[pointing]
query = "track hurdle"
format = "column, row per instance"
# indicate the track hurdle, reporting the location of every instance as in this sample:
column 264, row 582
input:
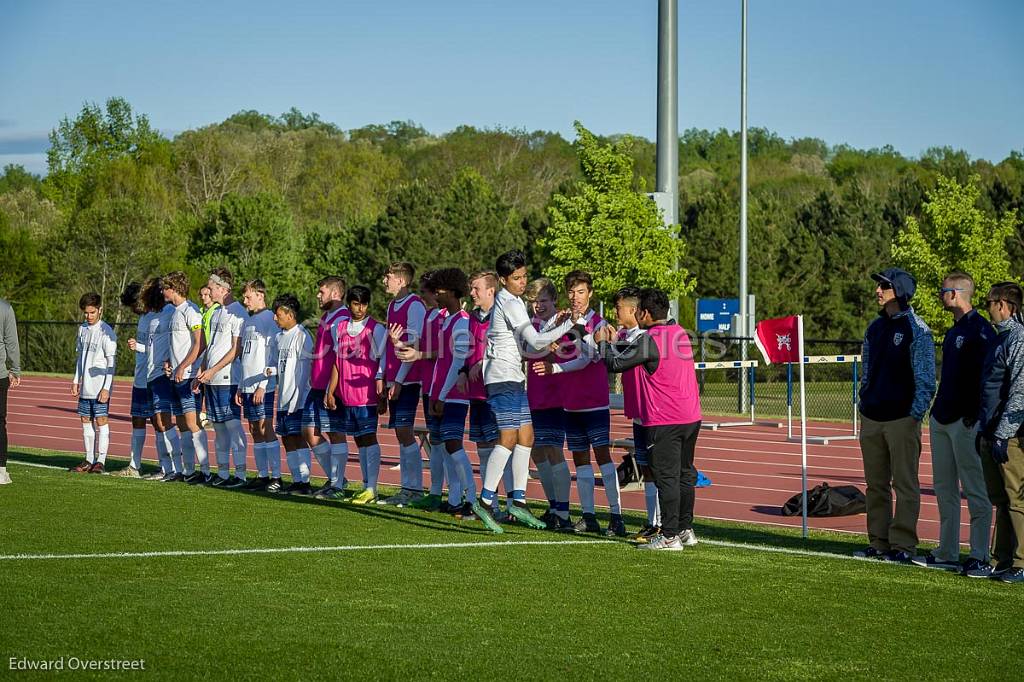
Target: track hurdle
column 854, row 361
column 749, row 366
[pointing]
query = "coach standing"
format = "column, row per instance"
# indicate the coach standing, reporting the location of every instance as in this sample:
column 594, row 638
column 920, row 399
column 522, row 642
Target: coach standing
column 9, row 352
column 1000, row 427
column 897, row 385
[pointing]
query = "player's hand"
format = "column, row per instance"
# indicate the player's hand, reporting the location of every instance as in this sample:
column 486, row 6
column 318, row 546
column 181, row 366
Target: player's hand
column 437, row 408
column 15, row 381
column 462, row 383
column 195, row 385
column 258, row 395
column 408, row 354
column 330, row 402
column 132, row 343
column 168, row 370
column 179, row 374
column 395, row 391
column 563, row 315
column 396, row 332
column 543, row 368
column 74, row 390
column 475, row 371
column 238, row 398
column 104, row 396
column 999, row 451
column 605, row 333
column 205, row 376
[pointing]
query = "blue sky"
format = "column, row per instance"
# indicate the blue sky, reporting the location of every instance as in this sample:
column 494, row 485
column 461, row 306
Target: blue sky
column 909, row 73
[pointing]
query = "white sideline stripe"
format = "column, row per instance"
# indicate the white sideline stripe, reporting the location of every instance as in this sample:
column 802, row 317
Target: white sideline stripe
column 438, row 545
column 38, row 466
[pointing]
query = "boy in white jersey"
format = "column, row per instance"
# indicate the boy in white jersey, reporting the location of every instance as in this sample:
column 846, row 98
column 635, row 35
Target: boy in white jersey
column 186, row 345
column 96, row 349
column 142, row 397
column 325, row 428
column 157, row 352
column 509, row 333
column 218, row 375
column 402, row 379
column 291, row 356
column 358, row 371
column 256, row 390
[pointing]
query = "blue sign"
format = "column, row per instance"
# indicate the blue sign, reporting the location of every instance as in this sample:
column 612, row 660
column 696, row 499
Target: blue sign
column 715, row 314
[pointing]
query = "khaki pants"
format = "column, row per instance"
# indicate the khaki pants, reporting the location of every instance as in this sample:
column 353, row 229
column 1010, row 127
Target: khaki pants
column 892, row 453
column 1006, row 490
column 955, row 463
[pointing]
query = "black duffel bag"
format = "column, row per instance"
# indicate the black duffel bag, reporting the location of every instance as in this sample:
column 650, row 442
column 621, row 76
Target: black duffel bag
column 824, row 500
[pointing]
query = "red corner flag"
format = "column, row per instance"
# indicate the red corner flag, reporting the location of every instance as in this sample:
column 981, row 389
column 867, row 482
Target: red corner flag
column 778, row 339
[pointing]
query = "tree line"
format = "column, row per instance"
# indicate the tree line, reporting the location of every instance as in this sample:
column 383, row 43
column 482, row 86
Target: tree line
column 291, row 198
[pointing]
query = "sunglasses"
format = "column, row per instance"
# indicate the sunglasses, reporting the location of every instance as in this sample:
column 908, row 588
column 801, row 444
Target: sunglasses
column 945, row 290
column 885, row 286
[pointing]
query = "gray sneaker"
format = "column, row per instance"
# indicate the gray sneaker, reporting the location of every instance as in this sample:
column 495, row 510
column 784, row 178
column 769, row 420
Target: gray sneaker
column 976, row 568
column 127, row 472
column 661, row 542
column 688, row 538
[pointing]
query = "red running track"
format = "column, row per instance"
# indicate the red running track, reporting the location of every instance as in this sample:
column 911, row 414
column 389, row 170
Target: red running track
column 754, row 469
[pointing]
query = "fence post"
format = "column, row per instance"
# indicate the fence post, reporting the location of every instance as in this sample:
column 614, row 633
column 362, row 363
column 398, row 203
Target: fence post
column 855, row 397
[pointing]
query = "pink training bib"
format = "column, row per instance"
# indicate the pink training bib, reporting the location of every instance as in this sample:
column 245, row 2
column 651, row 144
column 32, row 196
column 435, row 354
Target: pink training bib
column 670, row 395
column 357, row 369
column 400, row 315
column 587, row 388
column 323, row 348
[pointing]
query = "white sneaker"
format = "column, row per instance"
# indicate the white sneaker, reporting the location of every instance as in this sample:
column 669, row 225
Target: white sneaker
column 5, row 478
column 661, row 542
column 688, row 538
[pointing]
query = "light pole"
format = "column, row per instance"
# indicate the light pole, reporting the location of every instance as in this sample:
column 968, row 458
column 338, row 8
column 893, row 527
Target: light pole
column 667, row 178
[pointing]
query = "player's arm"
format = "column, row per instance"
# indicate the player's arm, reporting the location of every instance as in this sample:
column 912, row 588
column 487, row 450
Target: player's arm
column 526, row 335
column 414, row 332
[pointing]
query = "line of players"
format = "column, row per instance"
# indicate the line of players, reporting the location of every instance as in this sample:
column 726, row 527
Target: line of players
column 316, row 391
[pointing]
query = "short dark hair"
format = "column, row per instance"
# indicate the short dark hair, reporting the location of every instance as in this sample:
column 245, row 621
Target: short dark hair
column 508, row 263
column 130, row 298
column 450, row 279
column 1009, row 292
column 578, row 277
column 90, row 299
column 629, row 293
column 358, row 294
column 655, row 302
column 153, row 294
column 334, row 282
column 289, row 302
column 427, row 281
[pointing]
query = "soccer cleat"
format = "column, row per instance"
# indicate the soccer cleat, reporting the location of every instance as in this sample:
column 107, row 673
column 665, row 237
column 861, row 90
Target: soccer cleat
column 587, row 524
column 127, row 472
column 522, row 513
column 293, row 488
column 400, row 499
column 82, row 468
column 257, row 484
column 565, row 525
column 447, row 508
column 688, row 538
column 464, row 512
column 550, row 519
column 274, row 485
column 427, row 503
column 96, row 468
column 646, row 532
column 331, row 493
column 976, row 568
column 660, row 542
column 195, row 478
column 1012, row 576
column 616, row 527
column 173, row 478
column 235, row 482
column 897, row 556
column 930, row 561
column 305, row 489
column 365, row 496
column 869, row 552
column 484, row 515
column 5, row 478
column 219, row 481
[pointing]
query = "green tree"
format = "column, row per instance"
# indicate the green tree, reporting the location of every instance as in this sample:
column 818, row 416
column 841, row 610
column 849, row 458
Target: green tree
column 954, row 235
column 25, row 276
column 610, row 228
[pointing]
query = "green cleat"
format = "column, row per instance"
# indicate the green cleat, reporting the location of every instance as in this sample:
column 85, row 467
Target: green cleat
column 484, row 515
column 365, row 496
column 427, row 503
column 523, row 515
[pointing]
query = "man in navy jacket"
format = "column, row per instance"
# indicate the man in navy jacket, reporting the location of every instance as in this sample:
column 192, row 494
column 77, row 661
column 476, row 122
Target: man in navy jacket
column 896, row 388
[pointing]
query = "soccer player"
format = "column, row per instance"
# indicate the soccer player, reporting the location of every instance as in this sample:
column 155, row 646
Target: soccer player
column 402, row 379
column 96, row 349
column 142, row 397
column 544, row 392
column 186, row 346
column 324, row 429
column 291, row 356
column 511, row 331
column 158, row 353
column 219, row 375
column 207, row 306
column 256, row 390
column 359, row 343
column 669, row 408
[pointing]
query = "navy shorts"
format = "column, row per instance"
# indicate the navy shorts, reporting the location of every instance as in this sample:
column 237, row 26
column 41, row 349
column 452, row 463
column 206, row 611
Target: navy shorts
column 453, row 421
column 162, row 392
column 549, row 428
column 584, row 430
column 314, row 414
column 433, row 423
column 183, row 400
column 360, row 421
column 220, row 404
column 640, row 445
column 255, row 412
column 288, row 424
column 90, row 407
column 402, row 412
column 142, row 402
column 510, row 405
column 483, row 428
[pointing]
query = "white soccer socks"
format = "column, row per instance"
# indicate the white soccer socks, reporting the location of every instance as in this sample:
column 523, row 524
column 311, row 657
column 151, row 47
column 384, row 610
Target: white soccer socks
column 89, row 440
column 651, row 502
column 339, row 460
column 562, row 482
column 273, row 452
column 322, row 453
column 259, row 453
column 222, row 446
column 495, row 470
column 610, row 478
column 463, row 471
column 305, row 462
column 372, row 453
column 102, row 443
column 585, row 487
column 520, row 473
column 201, row 449
column 239, row 446
column 138, row 443
column 411, row 467
column 437, row 457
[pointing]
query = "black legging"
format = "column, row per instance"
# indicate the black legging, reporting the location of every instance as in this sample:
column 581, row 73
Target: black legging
column 670, row 450
column 5, row 384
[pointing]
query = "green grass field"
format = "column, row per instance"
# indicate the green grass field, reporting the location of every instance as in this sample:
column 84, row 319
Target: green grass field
column 482, row 606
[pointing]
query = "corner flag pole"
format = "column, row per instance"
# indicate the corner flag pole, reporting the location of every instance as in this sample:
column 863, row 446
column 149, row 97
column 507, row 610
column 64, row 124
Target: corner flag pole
column 803, row 423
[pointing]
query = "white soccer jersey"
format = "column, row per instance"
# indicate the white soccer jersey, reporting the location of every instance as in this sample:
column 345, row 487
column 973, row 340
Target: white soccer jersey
column 291, row 355
column 96, row 350
column 158, row 350
column 142, row 332
column 257, row 334
column 184, row 321
column 511, row 329
column 225, row 326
